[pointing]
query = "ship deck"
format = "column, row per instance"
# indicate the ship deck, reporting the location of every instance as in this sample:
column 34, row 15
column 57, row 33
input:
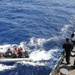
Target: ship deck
column 68, row 67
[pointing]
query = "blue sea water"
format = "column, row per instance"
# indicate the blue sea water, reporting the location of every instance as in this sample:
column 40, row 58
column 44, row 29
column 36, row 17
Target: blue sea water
column 42, row 25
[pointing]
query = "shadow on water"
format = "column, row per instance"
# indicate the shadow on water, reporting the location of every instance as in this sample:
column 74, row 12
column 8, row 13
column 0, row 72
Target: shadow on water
column 49, row 45
column 7, row 63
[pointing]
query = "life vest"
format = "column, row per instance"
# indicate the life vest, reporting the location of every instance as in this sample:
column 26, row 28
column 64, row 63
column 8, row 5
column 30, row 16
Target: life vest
column 15, row 53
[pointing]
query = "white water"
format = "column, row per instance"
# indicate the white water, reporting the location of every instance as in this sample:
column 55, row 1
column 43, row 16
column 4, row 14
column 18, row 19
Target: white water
column 38, row 55
column 5, row 67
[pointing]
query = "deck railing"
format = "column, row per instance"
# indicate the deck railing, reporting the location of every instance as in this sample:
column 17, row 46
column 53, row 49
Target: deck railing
column 56, row 67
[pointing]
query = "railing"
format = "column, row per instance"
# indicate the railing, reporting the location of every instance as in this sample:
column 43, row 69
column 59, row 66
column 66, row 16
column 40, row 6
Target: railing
column 56, row 67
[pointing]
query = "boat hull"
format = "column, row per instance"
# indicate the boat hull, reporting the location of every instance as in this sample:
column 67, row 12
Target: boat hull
column 14, row 59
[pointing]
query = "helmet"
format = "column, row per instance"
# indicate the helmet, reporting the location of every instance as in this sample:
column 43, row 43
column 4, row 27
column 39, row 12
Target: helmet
column 9, row 48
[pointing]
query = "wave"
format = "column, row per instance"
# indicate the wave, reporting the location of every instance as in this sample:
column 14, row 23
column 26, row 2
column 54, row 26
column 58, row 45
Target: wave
column 38, row 26
column 38, row 53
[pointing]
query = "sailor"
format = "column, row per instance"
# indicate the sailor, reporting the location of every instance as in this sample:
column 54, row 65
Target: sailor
column 8, row 53
column 20, row 52
column 73, row 38
column 15, row 53
column 26, row 54
column 2, row 55
column 68, row 47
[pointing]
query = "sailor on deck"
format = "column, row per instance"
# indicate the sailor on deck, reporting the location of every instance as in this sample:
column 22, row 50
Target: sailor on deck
column 68, row 47
column 73, row 38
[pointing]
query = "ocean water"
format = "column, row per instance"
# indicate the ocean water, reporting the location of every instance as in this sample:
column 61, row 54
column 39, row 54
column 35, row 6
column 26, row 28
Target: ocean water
column 40, row 26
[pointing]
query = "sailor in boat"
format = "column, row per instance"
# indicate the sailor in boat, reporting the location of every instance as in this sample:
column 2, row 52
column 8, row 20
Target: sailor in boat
column 8, row 53
column 2, row 55
column 15, row 53
column 26, row 54
column 20, row 52
column 23, row 53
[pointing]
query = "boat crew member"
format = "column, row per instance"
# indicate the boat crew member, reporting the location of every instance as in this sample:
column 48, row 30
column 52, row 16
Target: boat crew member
column 26, row 54
column 68, row 47
column 8, row 53
column 15, row 53
column 20, row 52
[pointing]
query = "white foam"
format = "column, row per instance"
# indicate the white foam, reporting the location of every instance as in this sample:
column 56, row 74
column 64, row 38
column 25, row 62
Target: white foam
column 36, row 41
column 4, row 67
column 3, row 48
column 37, row 55
column 32, row 63
column 41, row 55
column 65, row 28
